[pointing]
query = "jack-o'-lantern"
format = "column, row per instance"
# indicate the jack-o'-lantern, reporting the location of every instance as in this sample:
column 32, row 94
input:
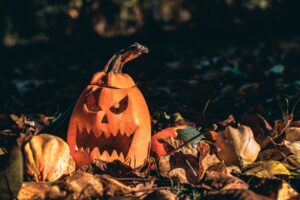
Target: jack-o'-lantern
column 111, row 120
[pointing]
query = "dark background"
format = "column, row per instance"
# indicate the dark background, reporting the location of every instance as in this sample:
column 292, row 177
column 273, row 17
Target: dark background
column 227, row 52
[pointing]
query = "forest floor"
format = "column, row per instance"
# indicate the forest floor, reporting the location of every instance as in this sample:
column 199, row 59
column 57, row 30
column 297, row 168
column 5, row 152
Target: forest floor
column 208, row 83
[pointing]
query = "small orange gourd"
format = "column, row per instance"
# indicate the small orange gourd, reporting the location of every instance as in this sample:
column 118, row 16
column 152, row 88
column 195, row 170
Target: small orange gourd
column 111, row 119
column 156, row 146
column 47, row 158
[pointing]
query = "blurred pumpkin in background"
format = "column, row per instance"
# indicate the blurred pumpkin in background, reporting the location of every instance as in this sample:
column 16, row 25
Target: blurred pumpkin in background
column 111, row 120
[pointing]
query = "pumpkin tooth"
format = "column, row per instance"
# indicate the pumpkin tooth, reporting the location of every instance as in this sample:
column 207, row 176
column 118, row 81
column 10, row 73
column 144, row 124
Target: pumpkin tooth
column 121, row 157
column 76, row 147
column 128, row 134
column 107, row 135
column 81, row 149
column 88, row 129
column 115, row 133
column 88, row 150
column 114, row 155
column 105, row 156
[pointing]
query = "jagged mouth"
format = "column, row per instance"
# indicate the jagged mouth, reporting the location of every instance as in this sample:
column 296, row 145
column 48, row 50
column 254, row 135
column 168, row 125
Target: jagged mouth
column 115, row 146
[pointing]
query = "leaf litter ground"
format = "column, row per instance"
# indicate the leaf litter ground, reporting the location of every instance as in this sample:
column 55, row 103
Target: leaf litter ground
column 205, row 90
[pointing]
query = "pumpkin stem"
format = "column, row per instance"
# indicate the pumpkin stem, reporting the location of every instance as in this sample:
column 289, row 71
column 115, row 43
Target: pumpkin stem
column 118, row 60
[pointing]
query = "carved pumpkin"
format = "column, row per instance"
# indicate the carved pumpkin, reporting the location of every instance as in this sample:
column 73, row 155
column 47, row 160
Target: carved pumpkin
column 110, row 120
column 47, row 158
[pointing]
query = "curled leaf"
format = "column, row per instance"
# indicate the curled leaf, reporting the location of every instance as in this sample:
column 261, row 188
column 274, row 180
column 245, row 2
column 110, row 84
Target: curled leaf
column 294, row 147
column 237, row 146
column 206, row 159
column 292, row 134
column 181, row 164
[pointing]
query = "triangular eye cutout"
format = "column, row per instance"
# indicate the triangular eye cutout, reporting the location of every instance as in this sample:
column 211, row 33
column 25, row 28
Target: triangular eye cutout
column 120, row 107
column 92, row 101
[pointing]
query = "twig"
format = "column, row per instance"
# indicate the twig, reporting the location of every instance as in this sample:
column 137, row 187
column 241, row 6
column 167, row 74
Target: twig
column 189, row 164
column 184, row 144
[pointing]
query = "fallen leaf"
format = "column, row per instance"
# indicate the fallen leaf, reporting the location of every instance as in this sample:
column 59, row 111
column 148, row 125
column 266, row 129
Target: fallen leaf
column 274, row 188
column 188, row 133
column 113, row 187
column 82, row 186
column 281, row 125
column 161, row 195
column 173, row 144
column 292, row 162
column 235, row 194
column 267, row 169
column 294, row 147
column 206, row 158
column 181, row 165
column 40, row 190
column 237, row 146
column 115, row 168
column 277, row 153
column 213, row 180
column 227, row 122
column 260, row 127
column 292, row 134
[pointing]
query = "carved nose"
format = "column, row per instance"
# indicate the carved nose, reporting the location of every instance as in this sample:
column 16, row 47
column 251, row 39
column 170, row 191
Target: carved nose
column 104, row 120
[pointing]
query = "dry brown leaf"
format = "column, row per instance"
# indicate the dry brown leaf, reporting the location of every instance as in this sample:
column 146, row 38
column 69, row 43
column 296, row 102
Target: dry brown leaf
column 181, row 175
column 260, row 127
column 161, row 195
column 227, row 122
column 213, row 180
column 267, row 169
column 115, row 168
column 292, row 162
column 278, row 153
column 141, row 190
column 171, row 144
column 274, row 188
column 113, row 187
column 211, row 135
column 237, row 146
column 292, row 134
column 281, row 125
column 180, row 164
column 40, row 190
column 82, row 186
column 294, row 147
column 236, row 194
column 206, row 158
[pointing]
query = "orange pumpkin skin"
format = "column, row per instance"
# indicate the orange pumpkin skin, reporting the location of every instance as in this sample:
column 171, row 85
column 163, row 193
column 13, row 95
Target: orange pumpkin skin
column 47, row 158
column 110, row 121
